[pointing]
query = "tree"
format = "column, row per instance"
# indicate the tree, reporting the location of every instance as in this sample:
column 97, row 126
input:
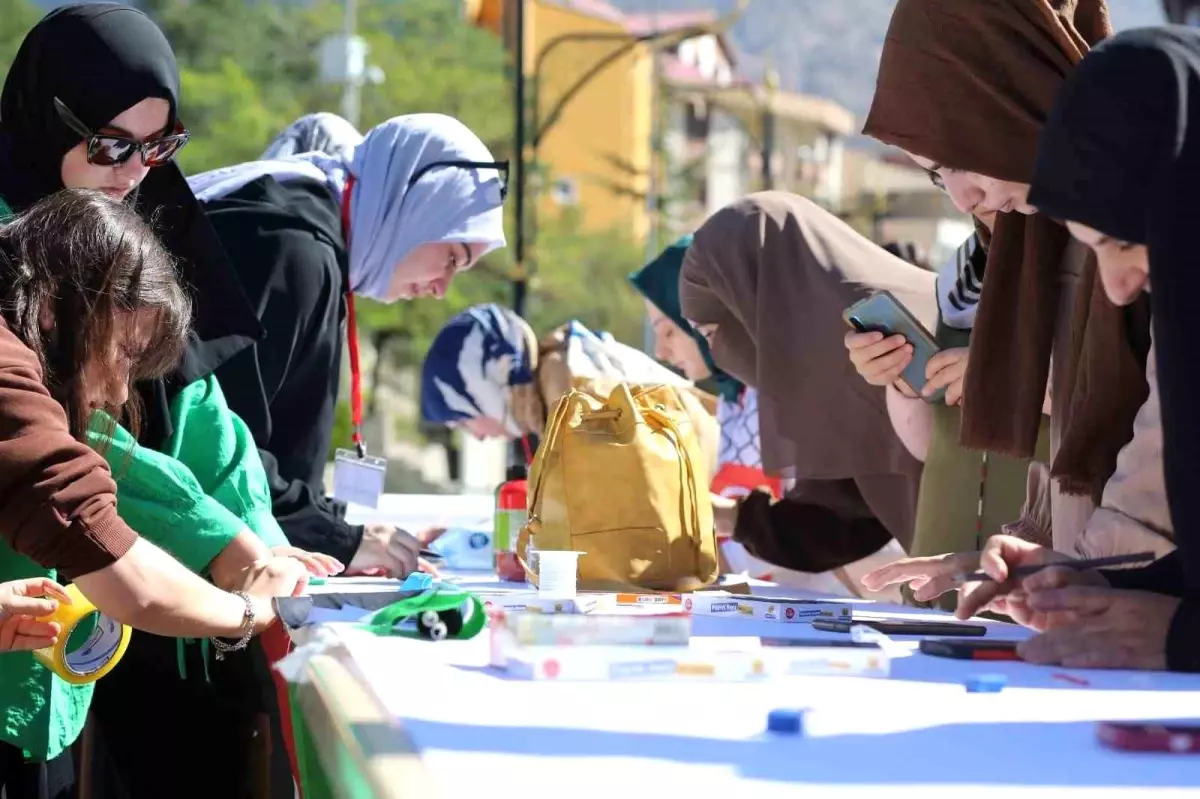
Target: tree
column 584, row 276
column 16, row 18
column 228, row 117
column 433, row 61
column 247, row 71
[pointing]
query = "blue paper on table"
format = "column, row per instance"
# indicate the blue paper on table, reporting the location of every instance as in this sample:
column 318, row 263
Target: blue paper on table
column 465, row 548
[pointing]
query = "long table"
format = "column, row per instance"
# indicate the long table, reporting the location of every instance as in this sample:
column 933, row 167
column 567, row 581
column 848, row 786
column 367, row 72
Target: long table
column 392, row 717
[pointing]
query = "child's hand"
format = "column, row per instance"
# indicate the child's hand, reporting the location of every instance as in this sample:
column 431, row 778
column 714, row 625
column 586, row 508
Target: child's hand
column 22, row 603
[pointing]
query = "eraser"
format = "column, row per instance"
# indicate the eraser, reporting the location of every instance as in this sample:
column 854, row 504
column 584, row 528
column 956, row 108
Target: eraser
column 985, row 683
column 786, row 720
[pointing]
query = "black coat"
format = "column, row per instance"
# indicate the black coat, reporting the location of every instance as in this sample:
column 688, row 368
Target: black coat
column 287, row 248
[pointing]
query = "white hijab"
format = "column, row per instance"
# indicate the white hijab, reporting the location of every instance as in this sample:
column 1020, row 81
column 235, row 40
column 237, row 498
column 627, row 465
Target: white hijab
column 388, row 217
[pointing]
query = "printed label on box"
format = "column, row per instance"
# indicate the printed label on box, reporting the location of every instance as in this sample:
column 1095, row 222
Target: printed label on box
column 619, row 671
column 765, row 608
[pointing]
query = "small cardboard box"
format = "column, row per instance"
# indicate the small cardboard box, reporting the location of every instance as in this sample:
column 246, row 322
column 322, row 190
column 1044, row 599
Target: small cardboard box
column 593, row 629
column 531, row 602
column 671, row 663
column 784, row 609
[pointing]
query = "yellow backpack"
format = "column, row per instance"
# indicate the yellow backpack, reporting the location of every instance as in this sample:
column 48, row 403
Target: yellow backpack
column 622, row 479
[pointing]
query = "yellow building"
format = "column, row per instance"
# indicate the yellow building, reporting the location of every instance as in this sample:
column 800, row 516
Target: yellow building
column 591, row 91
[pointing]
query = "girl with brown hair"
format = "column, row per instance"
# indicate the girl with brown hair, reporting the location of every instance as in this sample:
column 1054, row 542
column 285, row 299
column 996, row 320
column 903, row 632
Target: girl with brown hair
column 90, row 304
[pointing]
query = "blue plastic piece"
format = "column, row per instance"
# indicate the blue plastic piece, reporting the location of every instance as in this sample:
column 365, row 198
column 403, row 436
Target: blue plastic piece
column 985, row 683
column 417, row 581
column 787, row 721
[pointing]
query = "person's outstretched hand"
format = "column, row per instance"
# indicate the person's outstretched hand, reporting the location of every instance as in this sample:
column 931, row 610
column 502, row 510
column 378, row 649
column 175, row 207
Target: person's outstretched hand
column 268, row 579
column 929, row 578
column 318, row 564
column 22, row 603
column 1001, row 594
column 387, row 550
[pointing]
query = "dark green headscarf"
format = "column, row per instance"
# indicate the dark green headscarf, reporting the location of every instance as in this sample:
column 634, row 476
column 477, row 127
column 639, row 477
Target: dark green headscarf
column 658, row 281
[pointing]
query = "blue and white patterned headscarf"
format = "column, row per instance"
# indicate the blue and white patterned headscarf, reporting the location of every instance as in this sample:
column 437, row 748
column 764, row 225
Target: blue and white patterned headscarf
column 471, row 365
column 388, row 216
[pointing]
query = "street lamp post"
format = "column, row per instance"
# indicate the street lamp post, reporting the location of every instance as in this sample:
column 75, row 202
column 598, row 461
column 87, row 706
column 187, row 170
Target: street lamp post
column 523, row 127
column 520, row 278
column 529, row 136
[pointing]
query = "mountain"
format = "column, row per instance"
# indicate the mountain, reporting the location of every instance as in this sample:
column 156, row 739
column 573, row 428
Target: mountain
column 831, row 48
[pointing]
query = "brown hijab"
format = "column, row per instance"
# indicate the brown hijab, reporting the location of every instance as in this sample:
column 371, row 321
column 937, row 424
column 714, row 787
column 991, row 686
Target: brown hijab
column 969, row 84
column 774, row 272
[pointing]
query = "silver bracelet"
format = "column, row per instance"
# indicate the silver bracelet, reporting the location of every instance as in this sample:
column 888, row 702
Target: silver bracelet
column 247, row 630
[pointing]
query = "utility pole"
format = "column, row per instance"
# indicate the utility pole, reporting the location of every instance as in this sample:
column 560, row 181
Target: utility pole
column 520, row 278
column 342, row 60
column 355, row 65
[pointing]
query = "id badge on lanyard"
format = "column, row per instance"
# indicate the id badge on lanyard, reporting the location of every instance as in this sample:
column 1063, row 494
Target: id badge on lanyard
column 357, row 477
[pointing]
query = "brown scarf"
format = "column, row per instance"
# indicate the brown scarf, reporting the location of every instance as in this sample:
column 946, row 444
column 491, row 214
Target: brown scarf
column 969, row 84
column 774, row 272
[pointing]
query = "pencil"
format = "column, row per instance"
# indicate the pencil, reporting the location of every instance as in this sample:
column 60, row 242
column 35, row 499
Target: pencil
column 1078, row 565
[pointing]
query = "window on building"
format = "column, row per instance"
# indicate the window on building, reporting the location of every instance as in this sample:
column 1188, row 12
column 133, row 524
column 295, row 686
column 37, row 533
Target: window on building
column 696, row 120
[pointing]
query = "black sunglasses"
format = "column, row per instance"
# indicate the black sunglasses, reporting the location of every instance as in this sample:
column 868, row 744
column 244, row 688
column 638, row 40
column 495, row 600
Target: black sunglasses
column 110, row 149
column 501, row 168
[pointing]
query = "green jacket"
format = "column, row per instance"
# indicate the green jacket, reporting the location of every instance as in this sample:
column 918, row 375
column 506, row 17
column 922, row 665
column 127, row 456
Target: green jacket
column 192, row 498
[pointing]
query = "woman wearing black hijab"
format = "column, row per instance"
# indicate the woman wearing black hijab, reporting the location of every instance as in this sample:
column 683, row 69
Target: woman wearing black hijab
column 91, row 101
column 1118, row 163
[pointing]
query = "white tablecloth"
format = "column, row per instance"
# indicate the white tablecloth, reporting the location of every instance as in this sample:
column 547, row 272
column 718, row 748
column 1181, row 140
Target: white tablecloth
column 918, row 733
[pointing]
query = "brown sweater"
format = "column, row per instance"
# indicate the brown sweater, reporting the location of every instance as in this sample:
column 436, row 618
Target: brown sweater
column 58, row 500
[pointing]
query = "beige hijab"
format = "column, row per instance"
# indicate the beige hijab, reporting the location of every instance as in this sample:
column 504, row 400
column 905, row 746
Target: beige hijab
column 774, row 272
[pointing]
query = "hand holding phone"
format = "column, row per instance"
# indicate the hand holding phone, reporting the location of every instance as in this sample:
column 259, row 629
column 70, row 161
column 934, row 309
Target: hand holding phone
column 883, row 313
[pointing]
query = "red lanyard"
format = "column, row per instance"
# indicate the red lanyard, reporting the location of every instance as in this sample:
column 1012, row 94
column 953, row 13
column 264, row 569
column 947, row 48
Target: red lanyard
column 356, row 405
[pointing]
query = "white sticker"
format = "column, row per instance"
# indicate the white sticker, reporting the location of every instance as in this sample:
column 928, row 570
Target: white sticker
column 358, row 480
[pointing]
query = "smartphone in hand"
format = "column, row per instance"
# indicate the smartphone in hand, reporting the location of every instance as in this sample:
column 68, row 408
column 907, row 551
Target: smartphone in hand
column 884, row 313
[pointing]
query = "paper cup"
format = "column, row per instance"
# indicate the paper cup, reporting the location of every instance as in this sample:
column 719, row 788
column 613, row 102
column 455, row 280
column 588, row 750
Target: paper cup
column 558, row 572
